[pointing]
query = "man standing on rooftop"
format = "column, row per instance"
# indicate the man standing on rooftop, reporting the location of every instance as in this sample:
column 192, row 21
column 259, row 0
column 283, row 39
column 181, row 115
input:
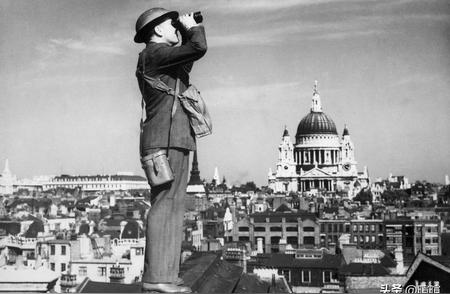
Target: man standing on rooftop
column 166, row 127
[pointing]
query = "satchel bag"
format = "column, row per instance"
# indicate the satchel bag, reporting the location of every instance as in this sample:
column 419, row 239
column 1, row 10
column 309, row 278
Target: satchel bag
column 191, row 101
column 195, row 107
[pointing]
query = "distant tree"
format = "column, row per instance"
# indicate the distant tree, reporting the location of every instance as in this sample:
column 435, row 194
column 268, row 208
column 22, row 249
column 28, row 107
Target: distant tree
column 364, row 196
column 223, row 186
column 244, row 188
column 249, row 186
column 395, row 196
column 266, row 190
column 234, row 189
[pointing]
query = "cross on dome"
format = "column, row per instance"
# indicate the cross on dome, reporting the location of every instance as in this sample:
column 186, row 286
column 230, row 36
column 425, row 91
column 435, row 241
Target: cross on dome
column 316, row 104
column 315, row 87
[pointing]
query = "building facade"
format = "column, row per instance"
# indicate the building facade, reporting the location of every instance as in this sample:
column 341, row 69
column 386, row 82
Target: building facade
column 427, row 236
column 271, row 232
column 364, row 233
column 119, row 182
column 400, row 233
column 319, row 160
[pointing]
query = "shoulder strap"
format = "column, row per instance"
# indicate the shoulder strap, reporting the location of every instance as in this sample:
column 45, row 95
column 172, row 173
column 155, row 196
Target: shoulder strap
column 174, row 109
column 142, row 85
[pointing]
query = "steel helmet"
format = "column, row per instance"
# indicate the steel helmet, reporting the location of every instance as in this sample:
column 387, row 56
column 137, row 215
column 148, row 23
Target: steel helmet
column 149, row 19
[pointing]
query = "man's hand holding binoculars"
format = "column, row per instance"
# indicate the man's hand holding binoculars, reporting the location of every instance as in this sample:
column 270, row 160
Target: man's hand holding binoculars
column 187, row 21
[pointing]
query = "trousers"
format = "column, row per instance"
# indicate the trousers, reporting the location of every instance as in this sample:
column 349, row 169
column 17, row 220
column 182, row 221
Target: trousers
column 165, row 223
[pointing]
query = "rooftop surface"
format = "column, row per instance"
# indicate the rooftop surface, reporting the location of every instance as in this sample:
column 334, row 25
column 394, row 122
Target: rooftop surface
column 204, row 273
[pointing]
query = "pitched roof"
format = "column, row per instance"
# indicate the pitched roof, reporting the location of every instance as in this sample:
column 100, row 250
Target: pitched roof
column 445, row 240
column 364, row 269
column 428, row 267
column 132, row 230
column 283, row 208
column 88, row 286
column 33, row 230
column 316, row 173
column 420, row 257
column 84, row 229
column 387, row 260
column 204, row 273
column 279, row 260
column 11, row 227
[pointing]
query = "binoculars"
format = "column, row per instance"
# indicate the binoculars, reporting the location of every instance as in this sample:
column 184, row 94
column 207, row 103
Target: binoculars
column 198, row 17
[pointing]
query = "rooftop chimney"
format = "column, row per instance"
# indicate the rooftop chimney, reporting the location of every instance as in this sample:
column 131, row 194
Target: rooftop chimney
column 107, row 245
column 85, row 246
column 91, row 227
column 399, row 259
column 122, row 227
column 259, row 245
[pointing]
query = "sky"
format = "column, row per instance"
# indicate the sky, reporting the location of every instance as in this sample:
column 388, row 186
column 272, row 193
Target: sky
column 70, row 102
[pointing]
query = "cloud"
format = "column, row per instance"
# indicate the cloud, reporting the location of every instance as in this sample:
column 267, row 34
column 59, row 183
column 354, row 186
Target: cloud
column 84, row 48
column 419, row 78
column 353, row 26
column 238, row 6
column 346, row 35
column 296, row 30
column 94, row 46
column 258, row 95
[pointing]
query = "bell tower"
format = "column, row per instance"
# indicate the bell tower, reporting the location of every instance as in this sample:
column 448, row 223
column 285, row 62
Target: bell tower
column 348, row 152
column 286, row 163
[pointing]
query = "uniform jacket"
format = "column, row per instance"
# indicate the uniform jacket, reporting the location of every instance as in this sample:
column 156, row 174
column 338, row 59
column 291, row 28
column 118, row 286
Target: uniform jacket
column 168, row 63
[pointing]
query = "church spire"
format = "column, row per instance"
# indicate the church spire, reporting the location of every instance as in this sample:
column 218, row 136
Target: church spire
column 316, row 104
column 195, row 173
column 216, row 176
column 6, row 171
column 285, row 133
column 346, row 132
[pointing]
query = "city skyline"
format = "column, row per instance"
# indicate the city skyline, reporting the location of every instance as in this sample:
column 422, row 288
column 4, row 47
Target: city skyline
column 70, row 101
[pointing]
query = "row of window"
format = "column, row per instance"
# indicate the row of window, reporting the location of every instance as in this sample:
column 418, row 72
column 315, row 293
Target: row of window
column 53, row 250
column 308, row 240
column 367, row 239
column 275, row 219
column 427, row 229
column 433, row 240
column 345, row 228
column 393, row 240
column 101, row 271
column 305, row 276
column 80, row 180
column 276, row 229
column 90, row 186
column 53, row 267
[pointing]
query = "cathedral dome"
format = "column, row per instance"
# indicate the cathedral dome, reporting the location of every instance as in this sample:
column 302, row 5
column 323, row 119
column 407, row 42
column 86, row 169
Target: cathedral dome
column 316, row 123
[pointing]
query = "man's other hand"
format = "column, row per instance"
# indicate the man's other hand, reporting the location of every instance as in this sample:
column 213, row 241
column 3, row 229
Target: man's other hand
column 187, row 21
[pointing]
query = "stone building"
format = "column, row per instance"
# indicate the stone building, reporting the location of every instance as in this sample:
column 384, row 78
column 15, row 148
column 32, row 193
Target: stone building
column 319, row 160
column 273, row 231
